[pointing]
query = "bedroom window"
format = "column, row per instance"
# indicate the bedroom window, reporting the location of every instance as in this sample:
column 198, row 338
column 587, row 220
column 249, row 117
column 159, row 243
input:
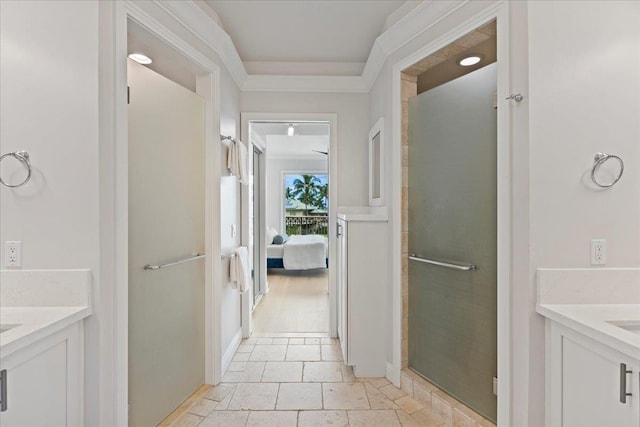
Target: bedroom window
column 306, row 204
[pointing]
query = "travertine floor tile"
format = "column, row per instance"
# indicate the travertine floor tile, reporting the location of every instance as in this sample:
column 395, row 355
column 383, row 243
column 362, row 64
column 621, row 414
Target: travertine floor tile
column 219, row 392
column 427, row 418
column 331, row 353
column 392, row 392
column 344, row 396
column 303, row 353
column 237, row 366
column 378, row 382
column 268, row 353
column 377, row 400
column 299, row 396
column 409, row 404
column 241, row 357
column 252, row 372
column 232, row 376
column 312, row 340
column 262, row 341
column 282, row 372
column 406, row 420
column 225, row 419
column 323, row 419
column 281, row 341
column 202, row 407
column 296, row 341
column 187, row 420
column 347, row 374
column 254, row 396
column 322, row 372
column 272, row 419
column 245, row 348
column 377, row 418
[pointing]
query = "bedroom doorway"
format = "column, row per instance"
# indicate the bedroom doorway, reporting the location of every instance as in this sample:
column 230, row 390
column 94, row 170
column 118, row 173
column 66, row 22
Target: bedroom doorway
column 291, row 200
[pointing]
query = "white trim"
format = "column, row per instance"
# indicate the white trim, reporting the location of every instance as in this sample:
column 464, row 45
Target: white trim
column 115, row 163
column 342, row 84
column 332, row 118
column 377, row 128
column 416, row 22
column 194, row 19
column 499, row 11
column 389, row 371
column 231, row 350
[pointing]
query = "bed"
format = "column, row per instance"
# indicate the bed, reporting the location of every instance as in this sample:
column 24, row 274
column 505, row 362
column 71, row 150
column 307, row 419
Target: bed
column 299, row 252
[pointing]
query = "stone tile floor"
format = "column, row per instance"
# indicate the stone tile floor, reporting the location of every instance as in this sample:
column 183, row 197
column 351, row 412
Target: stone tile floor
column 282, row 382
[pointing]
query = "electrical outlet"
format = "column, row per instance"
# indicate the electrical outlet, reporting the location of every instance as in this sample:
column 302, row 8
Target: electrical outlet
column 13, row 254
column 598, row 251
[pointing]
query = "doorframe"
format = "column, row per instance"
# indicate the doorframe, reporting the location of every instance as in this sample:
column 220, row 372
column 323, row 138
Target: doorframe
column 114, row 187
column 332, row 119
column 499, row 12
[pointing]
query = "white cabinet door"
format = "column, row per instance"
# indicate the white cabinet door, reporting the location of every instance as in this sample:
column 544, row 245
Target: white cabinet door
column 591, row 383
column 45, row 382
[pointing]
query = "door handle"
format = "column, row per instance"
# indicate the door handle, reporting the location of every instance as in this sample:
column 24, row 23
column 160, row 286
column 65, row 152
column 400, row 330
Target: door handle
column 3, row 390
column 623, row 382
column 338, row 233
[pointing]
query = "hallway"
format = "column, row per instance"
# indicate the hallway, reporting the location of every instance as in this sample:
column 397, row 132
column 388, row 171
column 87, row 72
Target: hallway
column 296, row 302
column 303, row 382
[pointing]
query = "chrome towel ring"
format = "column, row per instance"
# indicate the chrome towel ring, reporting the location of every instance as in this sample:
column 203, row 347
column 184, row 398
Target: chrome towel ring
column 599, row 160
column 23, row 157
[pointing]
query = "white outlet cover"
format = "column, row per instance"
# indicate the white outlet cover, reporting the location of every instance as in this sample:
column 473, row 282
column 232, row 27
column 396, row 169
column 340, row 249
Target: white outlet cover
column 598, row 251
column 13, row 254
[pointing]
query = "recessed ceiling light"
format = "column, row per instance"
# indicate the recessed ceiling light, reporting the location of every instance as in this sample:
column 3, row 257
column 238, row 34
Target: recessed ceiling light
column 140, row 58
column 290, row 130
column 470, row 60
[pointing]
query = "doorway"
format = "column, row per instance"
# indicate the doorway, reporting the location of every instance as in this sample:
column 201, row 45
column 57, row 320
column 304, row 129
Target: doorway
column 451, row 216
column 169, row 283
column 295, row 286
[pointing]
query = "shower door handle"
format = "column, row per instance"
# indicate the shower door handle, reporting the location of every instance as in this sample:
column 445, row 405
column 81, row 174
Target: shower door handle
column 463, row 267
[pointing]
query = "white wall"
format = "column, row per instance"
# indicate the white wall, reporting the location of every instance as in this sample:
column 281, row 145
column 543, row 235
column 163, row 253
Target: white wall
column 49, row 106
column 584, row 89
column 274, row 194
column 353, row 130
column 582, row 95
column 230, row 212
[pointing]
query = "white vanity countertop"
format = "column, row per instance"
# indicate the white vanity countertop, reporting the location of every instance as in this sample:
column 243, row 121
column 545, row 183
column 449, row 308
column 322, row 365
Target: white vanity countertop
column 38, row 303
column 594, row 301
column 595, row 321
column 35, row 323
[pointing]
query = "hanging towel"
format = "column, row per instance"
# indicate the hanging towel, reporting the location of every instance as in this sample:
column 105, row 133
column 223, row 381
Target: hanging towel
column 237, row 161
column 239, row 271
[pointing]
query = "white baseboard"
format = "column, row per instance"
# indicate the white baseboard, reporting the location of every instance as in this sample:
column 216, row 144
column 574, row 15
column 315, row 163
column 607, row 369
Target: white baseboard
column 231, row 351
column 392, row 375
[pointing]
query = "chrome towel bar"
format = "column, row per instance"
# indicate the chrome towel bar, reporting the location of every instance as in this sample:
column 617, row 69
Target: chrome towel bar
column 149, row 267
column 468, row 267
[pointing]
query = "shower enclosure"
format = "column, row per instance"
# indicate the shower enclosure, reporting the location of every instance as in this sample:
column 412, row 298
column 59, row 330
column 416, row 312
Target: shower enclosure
column 452, row 238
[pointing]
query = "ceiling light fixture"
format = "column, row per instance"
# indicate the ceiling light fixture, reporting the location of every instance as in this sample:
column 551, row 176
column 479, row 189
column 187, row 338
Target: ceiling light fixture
column 470, row 60
column 290, row 130
column 140, row 58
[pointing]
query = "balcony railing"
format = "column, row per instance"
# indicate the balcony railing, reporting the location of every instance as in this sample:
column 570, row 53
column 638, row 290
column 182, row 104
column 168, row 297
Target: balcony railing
column 307, row 225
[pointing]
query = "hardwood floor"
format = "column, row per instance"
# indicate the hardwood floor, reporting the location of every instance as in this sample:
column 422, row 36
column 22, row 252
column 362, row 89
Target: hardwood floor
column 298, row 301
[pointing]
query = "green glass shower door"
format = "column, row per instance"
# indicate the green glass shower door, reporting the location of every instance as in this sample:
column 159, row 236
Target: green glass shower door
column 452, row 218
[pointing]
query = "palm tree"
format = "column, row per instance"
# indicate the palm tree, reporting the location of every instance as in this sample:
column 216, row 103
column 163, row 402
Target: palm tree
column 288, row 194
column 306, row 190
column 323, row 195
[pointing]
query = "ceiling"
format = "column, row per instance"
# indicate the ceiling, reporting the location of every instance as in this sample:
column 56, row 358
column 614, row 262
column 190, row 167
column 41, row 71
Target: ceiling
column 302, row 31
column 307, row 138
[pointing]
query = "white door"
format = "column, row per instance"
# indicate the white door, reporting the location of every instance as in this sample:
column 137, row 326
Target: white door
column 591, row 384
column 166, row 223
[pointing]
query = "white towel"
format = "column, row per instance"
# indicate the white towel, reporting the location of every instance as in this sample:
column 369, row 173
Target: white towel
column 237, row 161
column 239, row 271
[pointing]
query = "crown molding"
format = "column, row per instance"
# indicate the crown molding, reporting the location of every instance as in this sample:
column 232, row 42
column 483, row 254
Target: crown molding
column 265, row 83
column 412, row 25
column 194, row 19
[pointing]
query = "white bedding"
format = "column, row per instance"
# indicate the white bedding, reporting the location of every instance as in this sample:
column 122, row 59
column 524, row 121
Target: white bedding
column 302, row 252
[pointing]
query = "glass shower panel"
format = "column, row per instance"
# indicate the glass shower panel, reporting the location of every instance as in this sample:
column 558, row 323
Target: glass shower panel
column 452, row 218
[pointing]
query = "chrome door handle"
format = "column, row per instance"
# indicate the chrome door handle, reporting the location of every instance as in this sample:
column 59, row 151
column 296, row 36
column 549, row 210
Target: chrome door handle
column 463, row 267
column 3, row 390
column 623, row 382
